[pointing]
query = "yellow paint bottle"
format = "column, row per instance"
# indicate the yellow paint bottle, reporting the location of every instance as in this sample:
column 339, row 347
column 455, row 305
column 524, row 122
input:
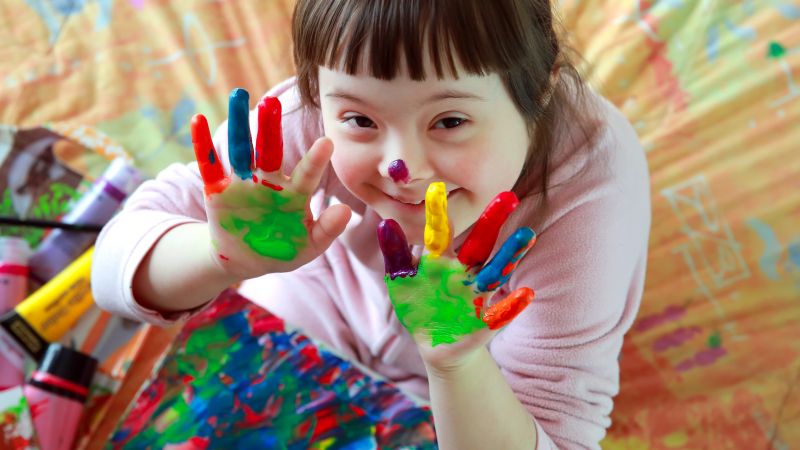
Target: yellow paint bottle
column 47, row 314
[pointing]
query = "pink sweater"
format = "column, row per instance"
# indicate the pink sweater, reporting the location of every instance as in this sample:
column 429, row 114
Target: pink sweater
column 559, row 356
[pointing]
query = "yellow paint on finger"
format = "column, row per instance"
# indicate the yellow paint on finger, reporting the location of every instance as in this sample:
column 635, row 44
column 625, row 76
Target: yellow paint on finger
column 437, row 226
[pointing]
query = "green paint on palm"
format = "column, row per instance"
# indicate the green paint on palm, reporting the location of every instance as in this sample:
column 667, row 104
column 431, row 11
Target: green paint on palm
column 435, row 301
column 271, row 223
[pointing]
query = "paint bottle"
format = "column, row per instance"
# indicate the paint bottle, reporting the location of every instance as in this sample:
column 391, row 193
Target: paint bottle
column 96, row 207
column 57, row 392
column 47, row 314
column 14, row 255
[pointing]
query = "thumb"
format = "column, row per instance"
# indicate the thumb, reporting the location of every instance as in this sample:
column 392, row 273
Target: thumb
column 330, row 224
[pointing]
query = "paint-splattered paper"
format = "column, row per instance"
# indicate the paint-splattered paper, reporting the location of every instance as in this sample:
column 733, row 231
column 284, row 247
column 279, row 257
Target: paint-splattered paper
column 16, row 425
column 237, row 378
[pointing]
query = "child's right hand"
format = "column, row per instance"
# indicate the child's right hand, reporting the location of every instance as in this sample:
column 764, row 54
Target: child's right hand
column 259, row 219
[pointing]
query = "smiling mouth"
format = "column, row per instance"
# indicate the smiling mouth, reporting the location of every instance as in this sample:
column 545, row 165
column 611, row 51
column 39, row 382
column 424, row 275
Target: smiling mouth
column 419, row 202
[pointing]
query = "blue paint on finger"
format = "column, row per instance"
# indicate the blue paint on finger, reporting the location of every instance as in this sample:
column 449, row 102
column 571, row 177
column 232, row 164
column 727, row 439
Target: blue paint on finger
column 240, row 144
column 502, row 265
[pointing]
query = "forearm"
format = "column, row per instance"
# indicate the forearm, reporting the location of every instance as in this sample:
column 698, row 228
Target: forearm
column 474, row 408
column 178, row 273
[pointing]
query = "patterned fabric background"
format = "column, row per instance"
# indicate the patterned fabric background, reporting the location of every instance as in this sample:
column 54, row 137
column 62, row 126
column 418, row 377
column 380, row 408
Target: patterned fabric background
column 711, row 86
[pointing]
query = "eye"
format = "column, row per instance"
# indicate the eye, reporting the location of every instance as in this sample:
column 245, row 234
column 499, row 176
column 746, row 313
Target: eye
column 359, row 122
column 449, row 122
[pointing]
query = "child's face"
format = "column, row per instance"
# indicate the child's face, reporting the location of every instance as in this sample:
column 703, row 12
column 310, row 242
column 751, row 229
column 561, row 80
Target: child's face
column 465, row 132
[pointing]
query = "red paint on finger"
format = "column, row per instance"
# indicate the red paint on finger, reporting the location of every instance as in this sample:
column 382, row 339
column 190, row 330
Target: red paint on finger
column 481, row 239
column 269, row 140
column 500, row 314
column 214, row 179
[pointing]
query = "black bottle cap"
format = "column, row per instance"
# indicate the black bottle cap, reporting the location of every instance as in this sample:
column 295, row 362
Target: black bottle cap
column 68, row 364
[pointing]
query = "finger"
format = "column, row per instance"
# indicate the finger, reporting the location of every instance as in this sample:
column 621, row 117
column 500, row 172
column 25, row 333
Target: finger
column 214, row 179
column 397, row 257
column 308, row 172
column 437, row 226
column 504, row 311
column 269, row 140
column 330, row 224
column 480, row 242
column 499, row 269
column 240, row 146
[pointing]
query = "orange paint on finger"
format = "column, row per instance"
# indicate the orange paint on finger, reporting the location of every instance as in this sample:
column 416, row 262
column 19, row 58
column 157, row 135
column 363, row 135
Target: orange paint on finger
column 500, row 314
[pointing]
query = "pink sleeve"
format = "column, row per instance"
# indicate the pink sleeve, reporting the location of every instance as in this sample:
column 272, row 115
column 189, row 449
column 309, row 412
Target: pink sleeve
column 587, row 268
column 175, row 197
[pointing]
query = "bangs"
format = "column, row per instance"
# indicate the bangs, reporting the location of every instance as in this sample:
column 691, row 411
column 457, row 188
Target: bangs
column 375, row 36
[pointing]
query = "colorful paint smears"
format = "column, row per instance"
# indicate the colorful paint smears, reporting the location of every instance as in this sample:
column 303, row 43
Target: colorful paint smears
column 236, row 378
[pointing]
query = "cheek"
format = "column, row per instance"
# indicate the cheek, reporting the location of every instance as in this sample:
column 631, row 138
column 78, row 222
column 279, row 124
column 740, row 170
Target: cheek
column 351, row 166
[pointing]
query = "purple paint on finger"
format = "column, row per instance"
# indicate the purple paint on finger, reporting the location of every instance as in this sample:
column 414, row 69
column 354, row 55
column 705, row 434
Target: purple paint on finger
column 396, row 253
column 398, row 171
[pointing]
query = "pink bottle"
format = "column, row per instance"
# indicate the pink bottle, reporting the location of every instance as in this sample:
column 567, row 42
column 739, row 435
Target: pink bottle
column 57, row 392
column 14, row 255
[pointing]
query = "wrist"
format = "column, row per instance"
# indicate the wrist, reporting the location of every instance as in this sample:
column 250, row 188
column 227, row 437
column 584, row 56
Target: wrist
column 454, row 368
column 213, row 265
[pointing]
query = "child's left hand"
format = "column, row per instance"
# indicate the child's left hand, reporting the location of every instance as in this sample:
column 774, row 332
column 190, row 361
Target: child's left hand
column 436, row 301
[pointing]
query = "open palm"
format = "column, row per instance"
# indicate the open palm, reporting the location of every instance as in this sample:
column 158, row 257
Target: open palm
column 441, row 300
column 259, row 218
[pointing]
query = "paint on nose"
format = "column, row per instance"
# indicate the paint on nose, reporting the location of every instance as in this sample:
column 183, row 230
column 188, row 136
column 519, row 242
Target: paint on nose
column 398, row 171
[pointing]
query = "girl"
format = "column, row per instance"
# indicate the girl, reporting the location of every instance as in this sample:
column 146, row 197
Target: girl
column 476, row 97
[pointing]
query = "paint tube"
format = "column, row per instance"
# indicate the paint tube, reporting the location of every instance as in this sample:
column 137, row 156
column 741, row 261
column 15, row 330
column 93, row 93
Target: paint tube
column 14, row 255
column 47, row 314
column 95, row 207
column 57, row 392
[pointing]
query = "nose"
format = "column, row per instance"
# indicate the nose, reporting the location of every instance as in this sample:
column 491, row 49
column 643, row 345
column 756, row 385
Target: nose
column 405, row 161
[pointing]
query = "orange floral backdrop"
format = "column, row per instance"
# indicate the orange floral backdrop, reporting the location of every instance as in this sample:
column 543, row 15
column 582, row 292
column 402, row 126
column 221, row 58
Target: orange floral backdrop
column 711, row 86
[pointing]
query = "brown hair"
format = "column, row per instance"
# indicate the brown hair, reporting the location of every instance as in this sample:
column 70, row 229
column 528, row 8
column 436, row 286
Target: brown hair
column 516, row 39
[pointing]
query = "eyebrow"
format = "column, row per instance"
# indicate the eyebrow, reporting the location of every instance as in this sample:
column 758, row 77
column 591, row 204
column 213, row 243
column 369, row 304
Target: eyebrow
column 448, row 94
